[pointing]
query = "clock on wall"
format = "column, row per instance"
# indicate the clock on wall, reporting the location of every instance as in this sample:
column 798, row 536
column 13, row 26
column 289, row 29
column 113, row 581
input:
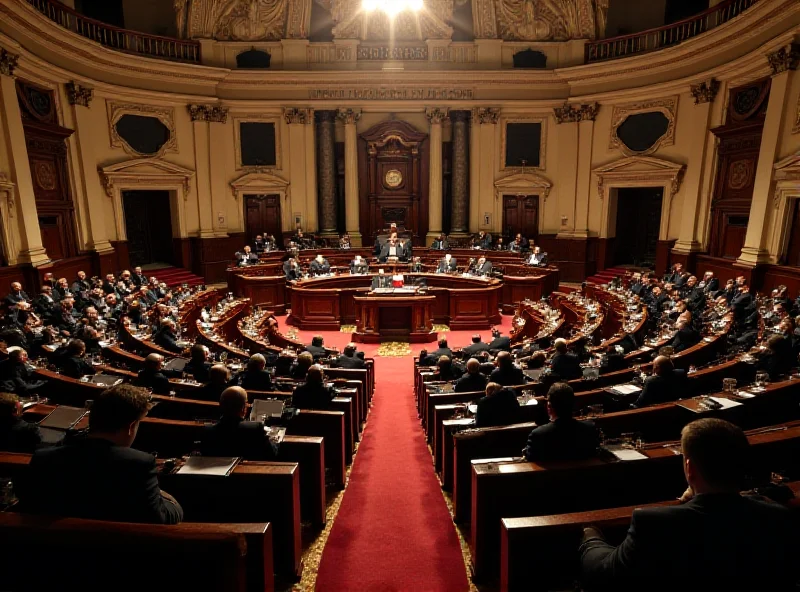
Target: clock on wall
column 393, row 178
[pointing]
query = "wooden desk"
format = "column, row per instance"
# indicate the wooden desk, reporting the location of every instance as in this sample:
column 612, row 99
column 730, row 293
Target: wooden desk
column 388, row 317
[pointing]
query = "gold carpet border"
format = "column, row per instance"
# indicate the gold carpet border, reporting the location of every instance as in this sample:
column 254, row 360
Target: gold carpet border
column 347, row 329
column 440, row 328
column 394, row 349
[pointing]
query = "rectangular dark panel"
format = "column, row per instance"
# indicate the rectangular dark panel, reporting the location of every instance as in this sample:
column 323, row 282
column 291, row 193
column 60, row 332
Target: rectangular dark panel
column 257, row 143
column 523, row 143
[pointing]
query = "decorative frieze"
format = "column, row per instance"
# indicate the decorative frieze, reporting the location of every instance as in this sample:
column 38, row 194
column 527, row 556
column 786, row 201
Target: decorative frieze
column 8, row 62
column 384, row 52
column 785, row 59
column 392, row 94
column 348, row 116
column 210, row 113
column 302, row 116
column 485, row 115
column 436, row 115
column 705, row 92
column 575, row 113
column 79, row 95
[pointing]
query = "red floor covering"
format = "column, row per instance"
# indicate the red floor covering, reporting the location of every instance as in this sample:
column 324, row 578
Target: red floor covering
column 393, row 531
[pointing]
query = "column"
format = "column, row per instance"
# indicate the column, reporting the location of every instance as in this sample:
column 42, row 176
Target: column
column 302, row 167
column 688, row 239
column 584, row 188
column 483, row 199
column 460, row 173
column 350, row 117
column 435, row 117
column 218, row 132
column 783, row 63
column 13, row 139
column 326, row 172
column 97, row 232
column 202, row 163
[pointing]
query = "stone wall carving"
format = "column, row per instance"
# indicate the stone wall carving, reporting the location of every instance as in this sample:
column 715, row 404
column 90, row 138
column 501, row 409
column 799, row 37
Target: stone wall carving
column 243, row 20
column 539, row 20
column 705, row 92
column 575, row 113
column 351, row 22
column 79, row 95
column 210, row 113
column 8, row 62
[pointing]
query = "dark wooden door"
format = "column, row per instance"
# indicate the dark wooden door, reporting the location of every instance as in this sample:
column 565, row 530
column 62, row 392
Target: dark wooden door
column 521, row 216
column 148, row 223
column 792, row 255
column 262, row 216
column 638, row 225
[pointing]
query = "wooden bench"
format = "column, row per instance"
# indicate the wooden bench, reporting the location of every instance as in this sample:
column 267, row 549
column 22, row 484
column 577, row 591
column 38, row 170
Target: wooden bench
column 40, row 553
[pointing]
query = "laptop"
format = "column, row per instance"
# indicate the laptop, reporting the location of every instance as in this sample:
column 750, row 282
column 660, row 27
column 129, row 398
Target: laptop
column 266, row 407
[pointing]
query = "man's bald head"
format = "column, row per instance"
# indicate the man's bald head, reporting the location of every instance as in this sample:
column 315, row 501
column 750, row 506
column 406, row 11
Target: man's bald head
column 662, row 365
column 314, row 374
column 218, row 374
column 154, row 361
column 504, row 359
column 473, row 366
column 560, row 345
column 233, row 402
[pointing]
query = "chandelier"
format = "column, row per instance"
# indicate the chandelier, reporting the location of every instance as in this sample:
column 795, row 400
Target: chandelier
column 391, row 7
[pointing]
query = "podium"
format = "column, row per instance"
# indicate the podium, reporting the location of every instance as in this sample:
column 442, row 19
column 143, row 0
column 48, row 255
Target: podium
column 394, row 318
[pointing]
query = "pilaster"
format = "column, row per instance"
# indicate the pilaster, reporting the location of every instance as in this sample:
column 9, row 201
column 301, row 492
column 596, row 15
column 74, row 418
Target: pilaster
column 435, row 116
column 326, row 172
column 349, row 117
column 202, row 163
column 301, row 163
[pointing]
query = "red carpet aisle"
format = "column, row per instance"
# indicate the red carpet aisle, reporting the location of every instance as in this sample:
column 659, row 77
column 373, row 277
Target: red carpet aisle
column 393, row 531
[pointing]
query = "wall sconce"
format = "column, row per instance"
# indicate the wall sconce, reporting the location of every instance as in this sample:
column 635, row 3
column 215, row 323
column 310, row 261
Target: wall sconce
column 564, row 220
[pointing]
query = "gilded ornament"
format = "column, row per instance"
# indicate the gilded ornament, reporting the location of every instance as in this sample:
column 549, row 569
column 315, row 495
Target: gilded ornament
column 785, row 59
column 393, row 178
column 705, row 92
column 436, row 115
column 79, row 95
column 8, row 62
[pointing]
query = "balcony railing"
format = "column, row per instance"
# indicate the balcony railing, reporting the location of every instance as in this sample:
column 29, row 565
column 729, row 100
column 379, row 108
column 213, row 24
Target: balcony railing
column 646, row 41
column 153, row 46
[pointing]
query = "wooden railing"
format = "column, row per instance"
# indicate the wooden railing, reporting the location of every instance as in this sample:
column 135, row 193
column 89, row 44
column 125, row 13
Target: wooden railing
column 153, row 46
column 653, row 39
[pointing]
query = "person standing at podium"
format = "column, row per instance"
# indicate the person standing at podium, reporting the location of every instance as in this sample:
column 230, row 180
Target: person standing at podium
column 447, row 264
column 359, row 265
column 320, row 265
column 381, row 280
column 392, row 248
column 246, row 257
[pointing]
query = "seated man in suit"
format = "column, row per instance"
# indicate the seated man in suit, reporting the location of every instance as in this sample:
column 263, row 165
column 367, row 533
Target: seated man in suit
column 446, row 370
column 392, row 248
column 777, row 359
column 167, row 336
column 381, row 280
column 259, row 244
column 447, row 264
column 499, row 342
column 440, row 243
column 482, row 241
column 73, row 363
column 313, row 394
column 291, row 269
column 506, row 373
column 717, row 539
column 416, row 265
column 17, row 376
column 254, row 377
column 517, row 245
column 198, row 365
column 564, row 438
column 320, row 265
column 537, row 257
column 152, row 377
column 499, row 407
column 476, row 346
column 316, row 348
column 359, row 265
column 16, row 434
column 300, row 366
column 349, row 359
column 473, row 380
column 666, row 384
column 232, row 435
column 686, row 337
column 246, row 257
column 100, row 477
column 442, row 349
column 564, row 364
column 138, row 278
column 16, row 295
column 218, row 379
column 482, row 267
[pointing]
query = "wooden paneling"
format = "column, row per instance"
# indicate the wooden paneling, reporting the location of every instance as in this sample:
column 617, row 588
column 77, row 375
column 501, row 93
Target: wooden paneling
column 663, row 249
column 576, row 258
column 182, row 252
column 211, row 256
column 269, row 291
column 121, row 260
column 605, row 253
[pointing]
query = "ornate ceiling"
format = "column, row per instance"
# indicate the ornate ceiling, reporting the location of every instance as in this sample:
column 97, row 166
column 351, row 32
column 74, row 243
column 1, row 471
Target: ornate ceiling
column 512, row 20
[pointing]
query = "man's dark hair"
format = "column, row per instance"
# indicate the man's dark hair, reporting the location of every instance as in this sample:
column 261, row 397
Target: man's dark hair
column 198, row 353
column 76, row 347
column 316, row 341
column 476, row 339
column 537, row 360
column 718, row 449
column 443, row 342
column 118, row 407
column 561, row 398
column 349, row 350
column 8, row 406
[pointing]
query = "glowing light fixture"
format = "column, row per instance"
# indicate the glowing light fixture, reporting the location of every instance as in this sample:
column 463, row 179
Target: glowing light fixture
column 391, row 7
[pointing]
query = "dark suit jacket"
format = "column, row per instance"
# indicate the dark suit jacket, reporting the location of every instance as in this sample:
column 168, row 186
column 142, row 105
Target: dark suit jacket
column 381, row 281
column 540, row 259
column 317, row 351
column 167, row 340
column 16, row 377
column 14, row 298
column 507, row 376
column 291, row 273
column 714, row 542
column 501, row 343
column 441, row 351
column 444, row 266
column 567, row 366
column 471, row 382
column 94, row 479
column 312, row 396
column 711, row 286
column 485, row 269
column 662, row 389
column 253, row 380
column 362, row 267
column 154, row 380
column 562, row 439
column 17, row 435
column 474, row 348
column 318, row 268
column 231, row 436
column 502, row 408
column 209, row 392
column 440, row 245
column 246, row 258
column 75, row 367
column 198, row 371
column 401, row 251
column 354, row 362
column 685, row 338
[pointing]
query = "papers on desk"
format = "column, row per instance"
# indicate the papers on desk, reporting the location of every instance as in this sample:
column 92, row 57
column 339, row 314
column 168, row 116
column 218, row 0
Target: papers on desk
column 726, row 403
column 473, row 409
column 267, row 408
column 745, row 395
column 219, row 466
column 622, row 453
column 62, row 418
column 626, row 389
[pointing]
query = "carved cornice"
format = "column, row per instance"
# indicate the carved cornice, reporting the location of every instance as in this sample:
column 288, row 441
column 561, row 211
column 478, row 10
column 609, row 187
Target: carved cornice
column 302, row 116
column 348, row 116
column 640, row 170
column 117, row 110
column 210, row 113
column 576, row 113
column 79, row 95
column 436, row 115
column 705, row 92
column 145, row 172
column 489, row 115
column 8, row 62
column 785, row 59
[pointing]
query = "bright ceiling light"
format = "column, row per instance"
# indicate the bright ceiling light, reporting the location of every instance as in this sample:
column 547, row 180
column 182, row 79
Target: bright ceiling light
column 392, row 7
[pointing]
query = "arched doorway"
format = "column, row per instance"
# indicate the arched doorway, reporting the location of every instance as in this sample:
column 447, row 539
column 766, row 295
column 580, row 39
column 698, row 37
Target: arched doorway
column 393, row 179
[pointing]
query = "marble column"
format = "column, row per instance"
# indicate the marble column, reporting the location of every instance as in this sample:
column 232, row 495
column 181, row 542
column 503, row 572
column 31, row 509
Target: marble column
column 202, row 167
column 349, row 117
column 16, row 154
column 435, row 116
column 326, row 167
column 460, row 174
column 783, row 63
